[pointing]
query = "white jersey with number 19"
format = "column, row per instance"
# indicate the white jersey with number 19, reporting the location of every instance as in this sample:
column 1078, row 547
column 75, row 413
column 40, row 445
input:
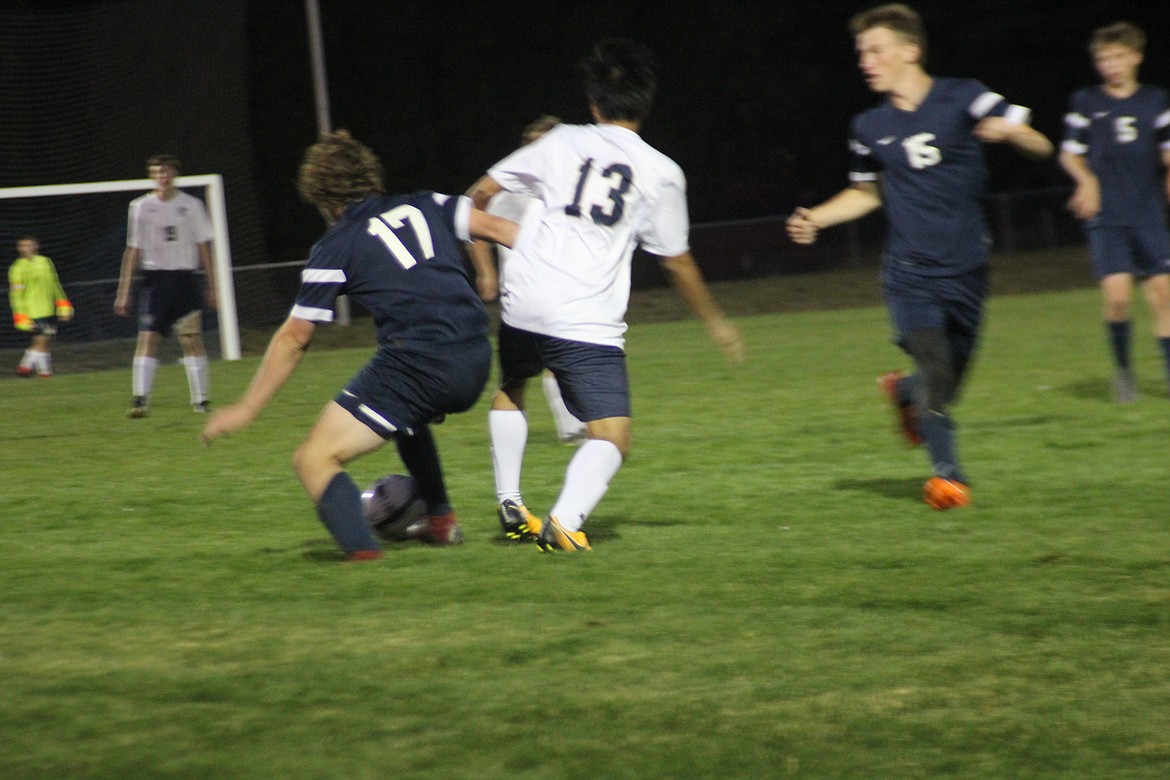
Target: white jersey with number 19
column 602, row 191
column 168, row 232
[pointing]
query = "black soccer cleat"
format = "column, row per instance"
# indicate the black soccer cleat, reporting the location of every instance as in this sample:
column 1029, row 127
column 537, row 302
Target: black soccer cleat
column 138, row 408
column 517, row 522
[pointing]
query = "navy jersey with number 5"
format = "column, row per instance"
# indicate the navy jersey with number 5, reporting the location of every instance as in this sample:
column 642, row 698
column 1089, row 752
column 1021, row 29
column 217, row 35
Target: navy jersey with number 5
column 932, row 173
column 400, row 258
column 1122, row 139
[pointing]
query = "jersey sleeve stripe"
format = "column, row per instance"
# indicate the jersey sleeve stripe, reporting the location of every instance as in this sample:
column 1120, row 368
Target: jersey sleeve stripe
column 858, row 148
column 862, row 176
column 311, row 314
column 983, row 104
column 463, row 218
column 1017, row 115
column 323, row 276
column 1076, row 147
column 1075, row 120
column 1163, row 120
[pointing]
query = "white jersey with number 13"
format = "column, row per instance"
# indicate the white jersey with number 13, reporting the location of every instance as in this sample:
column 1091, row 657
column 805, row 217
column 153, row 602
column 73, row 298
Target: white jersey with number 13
column 602, row 191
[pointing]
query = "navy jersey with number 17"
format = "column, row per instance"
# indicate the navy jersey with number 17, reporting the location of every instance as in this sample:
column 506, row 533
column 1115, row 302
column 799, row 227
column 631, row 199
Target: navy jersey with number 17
column 932, row 174
column 400, row 258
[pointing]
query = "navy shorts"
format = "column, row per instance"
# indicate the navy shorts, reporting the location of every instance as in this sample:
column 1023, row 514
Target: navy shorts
column 165, row 297
column 952, row 304
column 1141, row 250
column 592, row 377
column 401, row 390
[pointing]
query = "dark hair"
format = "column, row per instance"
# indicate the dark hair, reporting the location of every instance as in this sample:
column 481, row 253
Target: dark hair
column 897, row 17
column 538, row 127
column 164, row 159
column 28, row 237
column 338, row 170
column 620, row 79
column 1119, row 33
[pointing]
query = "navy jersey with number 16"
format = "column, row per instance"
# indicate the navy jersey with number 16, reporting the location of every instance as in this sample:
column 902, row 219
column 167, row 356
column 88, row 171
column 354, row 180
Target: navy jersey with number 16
column 400, row 258
column 932, row 174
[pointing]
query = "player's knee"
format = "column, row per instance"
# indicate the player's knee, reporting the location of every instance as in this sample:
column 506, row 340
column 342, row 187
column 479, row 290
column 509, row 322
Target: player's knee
column 616, row 434
column 510, row 395
column 1116, row 309
column 190, row 325
column 308, row 460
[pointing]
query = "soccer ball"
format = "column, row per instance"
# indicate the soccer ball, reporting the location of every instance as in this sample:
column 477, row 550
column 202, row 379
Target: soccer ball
column 394, row 509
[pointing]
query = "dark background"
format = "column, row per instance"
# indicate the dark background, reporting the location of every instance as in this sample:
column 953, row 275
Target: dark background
column 754, row 100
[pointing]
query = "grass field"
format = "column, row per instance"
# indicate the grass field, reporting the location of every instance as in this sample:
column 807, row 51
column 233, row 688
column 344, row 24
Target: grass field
column 767, row 596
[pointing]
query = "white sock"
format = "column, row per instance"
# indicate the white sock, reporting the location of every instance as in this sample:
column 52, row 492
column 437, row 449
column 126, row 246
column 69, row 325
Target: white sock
column 143, row 375
column 509, row 433
column 198, row 377
column 567, row 425
column 44, row 361
column 29, row 359
column 586, row 481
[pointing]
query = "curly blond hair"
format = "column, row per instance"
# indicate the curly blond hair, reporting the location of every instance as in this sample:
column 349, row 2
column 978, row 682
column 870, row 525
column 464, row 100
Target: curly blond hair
column 338, row 170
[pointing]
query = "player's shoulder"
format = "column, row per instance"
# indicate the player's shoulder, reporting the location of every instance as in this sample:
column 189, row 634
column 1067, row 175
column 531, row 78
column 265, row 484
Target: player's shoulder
column 1155, row 94
column 865, row 120
column 1084, row 95
column 644, row 154
column 184, row 198
column 961, row 90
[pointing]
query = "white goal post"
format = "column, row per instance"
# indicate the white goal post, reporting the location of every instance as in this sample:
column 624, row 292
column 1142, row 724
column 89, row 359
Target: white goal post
column 225, row 290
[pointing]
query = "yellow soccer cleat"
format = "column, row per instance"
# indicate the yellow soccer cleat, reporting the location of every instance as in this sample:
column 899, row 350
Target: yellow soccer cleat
column 554, row 537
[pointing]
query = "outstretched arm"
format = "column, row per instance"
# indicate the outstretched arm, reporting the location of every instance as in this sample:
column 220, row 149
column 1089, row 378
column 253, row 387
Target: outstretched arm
column 483, row 190
column 688, row 281
column 1025, row 139
column 284, row 353
column 851, row 203
column 493, row 228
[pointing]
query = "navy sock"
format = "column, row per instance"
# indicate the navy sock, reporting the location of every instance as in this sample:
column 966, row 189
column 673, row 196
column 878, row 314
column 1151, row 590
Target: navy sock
column 907, row 391
column 421, row 458
column 1119, row 341
column 340, row 509
column 938, row 432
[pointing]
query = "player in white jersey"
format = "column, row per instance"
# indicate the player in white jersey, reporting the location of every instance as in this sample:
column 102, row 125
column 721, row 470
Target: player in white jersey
column 601, row 190
column 168, row 238
column 513, row 205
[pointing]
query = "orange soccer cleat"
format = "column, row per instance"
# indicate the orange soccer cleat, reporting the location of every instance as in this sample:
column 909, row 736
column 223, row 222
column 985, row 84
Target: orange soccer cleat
column 942, row 493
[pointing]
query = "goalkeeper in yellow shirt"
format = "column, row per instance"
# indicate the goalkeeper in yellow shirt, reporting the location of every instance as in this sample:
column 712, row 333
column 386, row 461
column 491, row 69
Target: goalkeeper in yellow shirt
column 38, row 302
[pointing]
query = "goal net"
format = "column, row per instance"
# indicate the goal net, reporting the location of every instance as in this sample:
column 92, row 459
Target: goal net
column 90, row 91
column 82, row 228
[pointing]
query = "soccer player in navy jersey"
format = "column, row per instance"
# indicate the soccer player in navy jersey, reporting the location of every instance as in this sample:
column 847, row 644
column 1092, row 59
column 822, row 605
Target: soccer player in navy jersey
column 919, row 154
column 398, row 256
column 600, row 190
column 1116, row 148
